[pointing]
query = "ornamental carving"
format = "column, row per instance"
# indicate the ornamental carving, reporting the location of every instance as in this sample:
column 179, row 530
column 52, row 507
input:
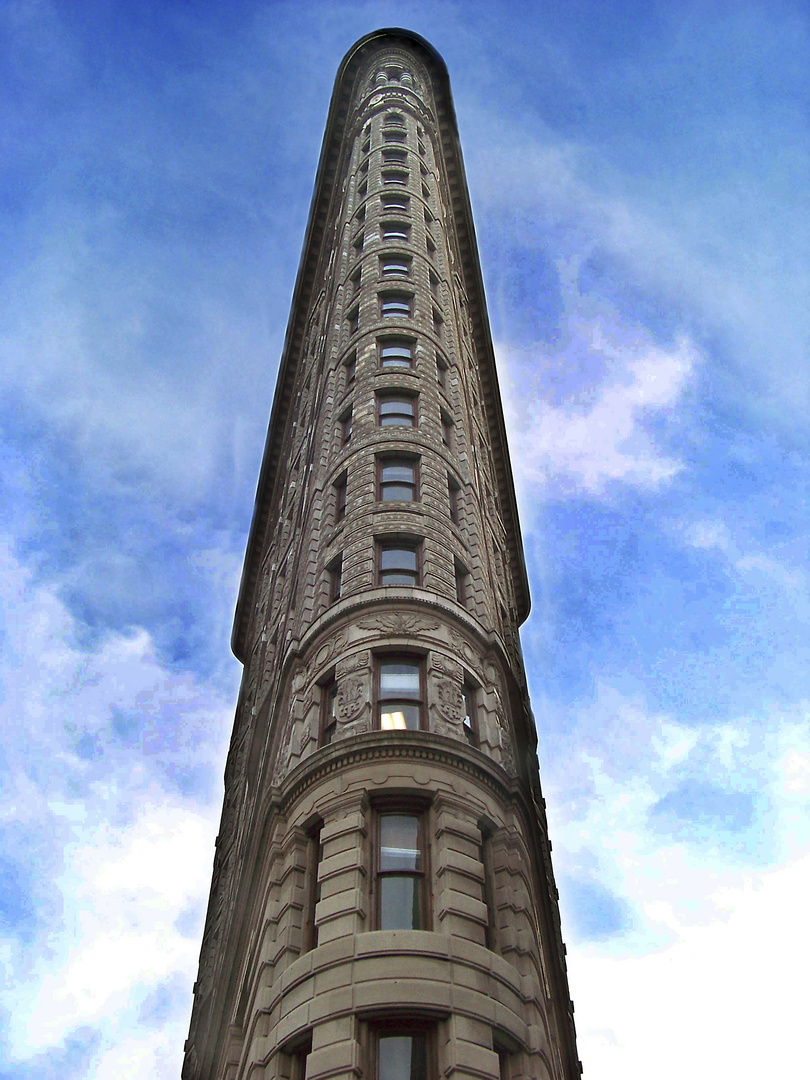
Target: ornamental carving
column 507, row 755
column 450, row 700
column 351, row 697
column 359, row 661
column 331, row 648
column 398, row 622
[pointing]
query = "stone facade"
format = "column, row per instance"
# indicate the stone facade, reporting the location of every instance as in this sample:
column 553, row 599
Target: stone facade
column 383, row 691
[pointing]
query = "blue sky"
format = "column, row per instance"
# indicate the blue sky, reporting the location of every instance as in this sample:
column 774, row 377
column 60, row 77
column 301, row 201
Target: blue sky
column 638, row 174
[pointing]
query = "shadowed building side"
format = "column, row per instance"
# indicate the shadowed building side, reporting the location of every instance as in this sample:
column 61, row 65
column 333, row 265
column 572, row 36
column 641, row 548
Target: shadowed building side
column 383, row 904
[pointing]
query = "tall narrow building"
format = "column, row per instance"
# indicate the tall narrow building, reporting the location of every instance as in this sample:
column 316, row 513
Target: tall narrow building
column 383, row 905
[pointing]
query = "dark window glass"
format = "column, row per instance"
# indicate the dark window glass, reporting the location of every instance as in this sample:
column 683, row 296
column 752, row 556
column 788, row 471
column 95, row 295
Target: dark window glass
column 441, row 372
column 396, row 354
column 345, row 428
column 394, row 118
column 394, row 266
column 396, row 410
column 399, row 564
column 350, row 368
column 470, row 727
column 353, row 319
column 393, row 202
column 335, row 579
column 401, row 873
column 314, row 858
column 394, row 136
column 453, row 493
column 400, row 693
column 397, row 480
column 340, row 498
column 461, row 584
column 393, row 155
column 395, row 305
column 391, row 177
column 403, row 1057
column 395, row 231
column 328, row 718
column 447, row 430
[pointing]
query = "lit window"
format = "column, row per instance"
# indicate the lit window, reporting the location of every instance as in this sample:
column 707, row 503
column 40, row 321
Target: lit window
column 394, row 231
column 397, row 479
column 398, row 563
column 396, row 354
column 392, row 177
column 394, row 266
column 400, row 694
column 400, row 879
column 395, row 305
column 396, row 410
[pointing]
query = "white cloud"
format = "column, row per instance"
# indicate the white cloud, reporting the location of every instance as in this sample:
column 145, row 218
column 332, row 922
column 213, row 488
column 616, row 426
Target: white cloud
column 598, row 438
column 120, row 856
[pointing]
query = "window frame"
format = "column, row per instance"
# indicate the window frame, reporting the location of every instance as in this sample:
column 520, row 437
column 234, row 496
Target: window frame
column 340, row 487
column 401, row 236
column 401, row 397
column 448, row 429
column 397, row 1027
column 393, row 342
column 384, row 460
column 345, row 424
column 328, row 718
column 335, row 572
column 454, row 496
column 469, row 691
column 396, row 305
column 404, row 656
column 394, row 176
column 398, row 543
column 395, row 267
column 419, row 809
column 462, row 578
column 395, row 155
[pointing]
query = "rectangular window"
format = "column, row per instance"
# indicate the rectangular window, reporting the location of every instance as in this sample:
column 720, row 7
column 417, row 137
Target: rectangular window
column 366, row 146
column 349, row 369
column 399, row 693
column 362, row 189
column 438, row 323
column 354, row 281
column 353, row 319
column 470, row 720
column 462, row 584
column 447, row 430
column 360, row 216
column 394, row 136
column 298, row 1061
column 395, row 409
column 394, row 266
column 430, row 245
column 357, row 243
column 395, row 305
column 396, row 354
column 395, row 232
column 404, row 1052
column 328, row 718
column 397, row 562
column 454, row 493
column 394, row 203
column 335, row 572
column 346, row 427
column 441, row 372
column 397, row 479
column 313, row 892
column 434, row 284
column 421, row 148
column 400, row 873
column 392, row 155
column 425, row 191
column 394, row 177
column 340, row 497
column 394, row 119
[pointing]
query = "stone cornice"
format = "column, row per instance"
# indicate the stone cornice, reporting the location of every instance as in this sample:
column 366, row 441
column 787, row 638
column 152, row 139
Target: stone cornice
column 321, row 211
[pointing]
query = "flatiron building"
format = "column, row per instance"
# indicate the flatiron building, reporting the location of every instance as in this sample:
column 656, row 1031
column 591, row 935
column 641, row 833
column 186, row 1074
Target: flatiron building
column 383, row 905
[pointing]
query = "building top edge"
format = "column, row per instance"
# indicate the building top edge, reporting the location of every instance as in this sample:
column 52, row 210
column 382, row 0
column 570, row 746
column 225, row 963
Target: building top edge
column 377, row 40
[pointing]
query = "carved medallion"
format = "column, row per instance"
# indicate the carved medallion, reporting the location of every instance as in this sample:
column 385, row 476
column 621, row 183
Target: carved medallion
column 351, row 697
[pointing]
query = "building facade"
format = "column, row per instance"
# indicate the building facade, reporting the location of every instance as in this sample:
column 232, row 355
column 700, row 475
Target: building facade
column 383, row 904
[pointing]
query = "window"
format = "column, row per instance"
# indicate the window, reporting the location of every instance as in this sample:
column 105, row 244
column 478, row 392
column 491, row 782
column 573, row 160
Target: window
column 421, row 148
column 393, row 203
column 470, row 722
column 398, row 479
column 353, row 319
column 441, row 372
column 394, row 176
column 335, row 572
column 395, row 305
column 398, row 562
column 462, row 584
column 396, row 354
column 314, row 859
column 434, row 284
column 430, row 246
column 396, row 409
column 425, row 191
column 354, row 281
column 395, row 119
column 400, row 875
column 438, row 321
column 340, row 497
column 393, row 155
column 349, row 369
column 447, row 430
column 394, row 136
column 429, row 219
column 454, row 493
column 395, row 232
column 399, row 693
column 403, row 1053
column 360, row 216
column 328, row 717
column 346, row 427
column 392, row 266
column 298, row 1060
column 357, row 243
column 366, row 146
column 362, row 189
